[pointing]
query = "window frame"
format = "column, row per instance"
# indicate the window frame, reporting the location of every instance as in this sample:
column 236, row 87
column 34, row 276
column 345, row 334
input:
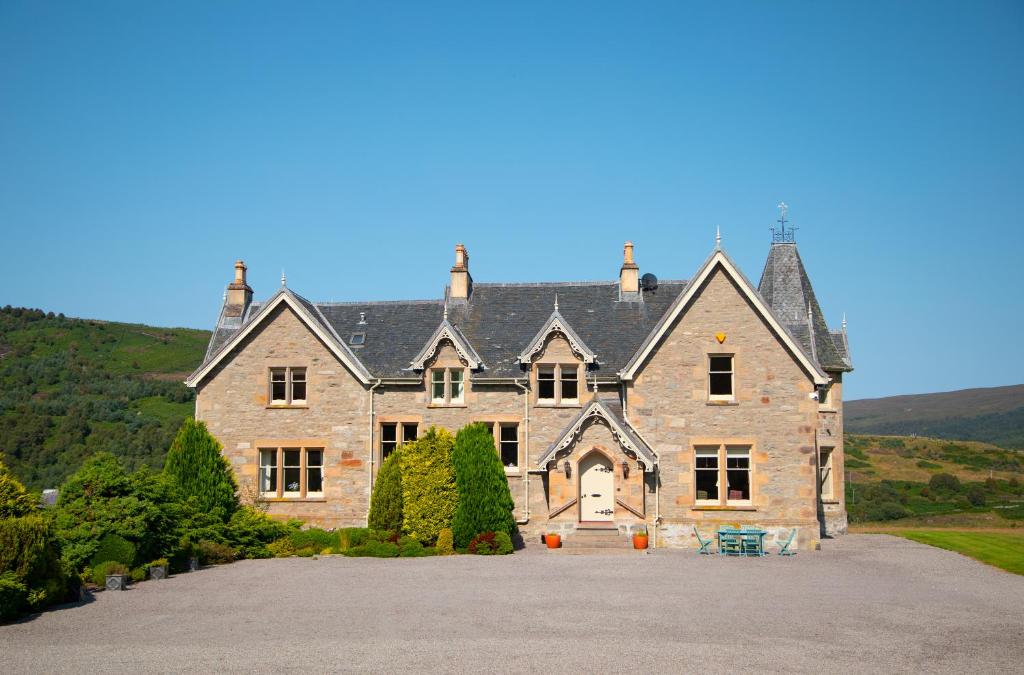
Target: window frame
column 289, row 380
column 279, row 493
column 731, row 396
column 447, row 382
column 722, row 453
column 556, row 380
column 401, row 427
column 826, row 472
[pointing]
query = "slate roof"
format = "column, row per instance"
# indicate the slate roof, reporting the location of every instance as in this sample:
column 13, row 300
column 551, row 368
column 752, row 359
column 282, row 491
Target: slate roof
column 787, row 289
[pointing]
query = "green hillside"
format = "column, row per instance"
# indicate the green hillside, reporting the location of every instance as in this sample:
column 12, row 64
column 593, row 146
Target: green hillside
column 992, row 415
column 72, row 387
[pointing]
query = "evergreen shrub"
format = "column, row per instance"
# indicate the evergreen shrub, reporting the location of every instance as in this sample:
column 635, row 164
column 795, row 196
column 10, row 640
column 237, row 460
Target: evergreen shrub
column 484, row 501
column 30, row 551
column 114, row 547
column 213, row 553
column 13, row 596
column 100, row 572
column 429, row 495
column 195, row 464
column 386, row 501
column 445, row 542
column 15, row 500
column 250, row 531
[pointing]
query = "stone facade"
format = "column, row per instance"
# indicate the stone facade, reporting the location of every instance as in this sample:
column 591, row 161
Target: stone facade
column 774, row 416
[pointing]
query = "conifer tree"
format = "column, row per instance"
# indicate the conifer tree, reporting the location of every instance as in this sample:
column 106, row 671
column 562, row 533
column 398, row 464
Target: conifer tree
column 485, row 503
column 386, row 502
column 15, row 500
column 195, row 464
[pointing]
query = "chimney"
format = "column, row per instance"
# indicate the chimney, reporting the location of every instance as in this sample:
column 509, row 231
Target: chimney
column 629, row 275
column 462, row 283
column 239, row 293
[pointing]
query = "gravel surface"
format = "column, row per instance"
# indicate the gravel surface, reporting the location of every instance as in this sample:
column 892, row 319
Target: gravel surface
column 865, row 603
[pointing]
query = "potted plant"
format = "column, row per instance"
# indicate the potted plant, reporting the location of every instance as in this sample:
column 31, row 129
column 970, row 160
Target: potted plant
column 116, row 576
column 158, row 568
column 640, row 539
column 553, row 540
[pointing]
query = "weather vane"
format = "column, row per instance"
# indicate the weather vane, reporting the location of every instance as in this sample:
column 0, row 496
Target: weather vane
column 781, row 235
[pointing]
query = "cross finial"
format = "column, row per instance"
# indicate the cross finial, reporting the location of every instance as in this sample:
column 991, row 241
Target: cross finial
column 283, row 280
column 718, row 237
column 556, row 302
column 780, row 235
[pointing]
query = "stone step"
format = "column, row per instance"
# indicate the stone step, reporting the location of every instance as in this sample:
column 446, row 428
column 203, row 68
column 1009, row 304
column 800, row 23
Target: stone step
column 594, row 551
column 592, row 542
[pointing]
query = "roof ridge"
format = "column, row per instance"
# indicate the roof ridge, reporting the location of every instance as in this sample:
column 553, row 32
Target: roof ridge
column 366, row 303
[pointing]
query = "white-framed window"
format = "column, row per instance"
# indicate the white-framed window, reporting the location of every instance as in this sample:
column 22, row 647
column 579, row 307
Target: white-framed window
column 706, row 470
column 393, row 434
column 506, row 442
column 288, row 386
column 825, row 473
column 291, row 472
column 558, row 384
column 447, row 386
column 721, row 378
column 722, row 475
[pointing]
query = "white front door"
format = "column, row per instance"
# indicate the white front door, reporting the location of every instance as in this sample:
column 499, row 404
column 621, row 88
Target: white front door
column 597, row 488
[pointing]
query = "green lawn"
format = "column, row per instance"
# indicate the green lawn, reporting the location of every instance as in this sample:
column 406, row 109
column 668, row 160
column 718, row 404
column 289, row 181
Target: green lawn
column 1003, row 550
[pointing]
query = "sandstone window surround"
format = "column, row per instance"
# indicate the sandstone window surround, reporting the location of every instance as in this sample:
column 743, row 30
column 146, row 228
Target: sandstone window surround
column 287, row 387
column 447, row 386
column 721, row 378
column 295, row 472
column 723, row 475
column 825, row 400
column 507, row 443
column 395, row 433
column 825, row 474
column 558, row 384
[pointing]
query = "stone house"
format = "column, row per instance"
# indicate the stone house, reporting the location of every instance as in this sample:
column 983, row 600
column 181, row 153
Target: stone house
column 629, row 403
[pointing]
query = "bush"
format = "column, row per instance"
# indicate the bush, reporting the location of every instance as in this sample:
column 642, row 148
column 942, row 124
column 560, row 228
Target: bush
column 409, row 547
column 352, row 536
column 885, row 511
column 386, row 502
column 101, row 498
column 138, row 574
column 445, row 542
column 429, row 495
column 314, row 538
column 159, row 562
column 213, row 553
column 282, row 548
column 484, row 501
column 374, row 549
column 250, row 531
column 503, row 543
column 482, row 544
column 925, row 464
column 113, row 547
column 195, row 464
column 30, row 551
column 13, row 595
column 944, row 482
column 15, row 501
column 100, row 572
column 976, row 496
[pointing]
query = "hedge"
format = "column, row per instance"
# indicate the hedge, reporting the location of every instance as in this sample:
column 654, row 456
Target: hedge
column 485, row 503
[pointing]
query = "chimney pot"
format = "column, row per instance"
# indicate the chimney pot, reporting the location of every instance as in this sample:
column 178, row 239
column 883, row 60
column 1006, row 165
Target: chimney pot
column 629, row 274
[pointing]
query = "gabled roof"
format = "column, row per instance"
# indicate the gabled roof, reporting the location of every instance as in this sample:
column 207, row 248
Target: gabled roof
column 447, row 331
column 556, row 323
column 719, row 260
column 307, row 312
column 787, row 289
column 609, row 411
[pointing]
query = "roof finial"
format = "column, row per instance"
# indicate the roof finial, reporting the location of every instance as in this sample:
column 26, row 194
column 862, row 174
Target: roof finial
column 718, row 237
column 809, row 314
column 446, row 310
column 283, row 280
column 556, row 302
column 780, row 235
column 225, row 295
column 595, row 385
column 844, row 322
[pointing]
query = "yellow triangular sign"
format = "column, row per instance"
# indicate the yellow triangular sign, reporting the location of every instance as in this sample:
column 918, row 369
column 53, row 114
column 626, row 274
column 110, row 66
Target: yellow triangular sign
column 720, row 337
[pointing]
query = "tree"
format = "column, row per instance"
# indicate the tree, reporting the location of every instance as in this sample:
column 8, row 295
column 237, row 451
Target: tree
column 485, row 503
column 386, row 502
column 429, row 496
column 15, row 500
column 194, row 463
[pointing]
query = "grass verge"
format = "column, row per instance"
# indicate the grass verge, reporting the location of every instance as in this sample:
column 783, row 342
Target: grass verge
column 1004, row 550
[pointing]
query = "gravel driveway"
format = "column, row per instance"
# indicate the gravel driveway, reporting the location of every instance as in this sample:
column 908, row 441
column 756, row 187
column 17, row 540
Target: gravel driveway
column 864, row 603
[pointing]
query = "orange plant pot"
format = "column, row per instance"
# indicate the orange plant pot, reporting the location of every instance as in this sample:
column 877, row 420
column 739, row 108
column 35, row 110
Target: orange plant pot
column 553, row 540
column 640, row 541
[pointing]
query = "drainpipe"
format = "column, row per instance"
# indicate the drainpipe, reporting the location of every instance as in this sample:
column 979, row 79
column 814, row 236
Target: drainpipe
column 657, row 468
column 526, row 443
column 369, row 497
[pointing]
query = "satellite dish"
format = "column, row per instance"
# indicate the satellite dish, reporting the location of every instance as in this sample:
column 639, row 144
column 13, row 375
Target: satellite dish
column 649, row 282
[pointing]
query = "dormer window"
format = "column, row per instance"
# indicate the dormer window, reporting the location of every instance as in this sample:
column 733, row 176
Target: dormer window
column 558, row 384
column 287, row 386
column 447, row 386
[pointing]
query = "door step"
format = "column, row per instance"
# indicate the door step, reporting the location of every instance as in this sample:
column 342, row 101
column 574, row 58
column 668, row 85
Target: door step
column 580, row 550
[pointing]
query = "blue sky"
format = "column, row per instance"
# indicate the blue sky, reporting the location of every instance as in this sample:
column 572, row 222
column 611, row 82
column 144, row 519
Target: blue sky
column 146, row 146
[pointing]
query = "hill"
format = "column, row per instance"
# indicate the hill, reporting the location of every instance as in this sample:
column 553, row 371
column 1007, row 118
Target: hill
column 73, row 387
column 991, row 415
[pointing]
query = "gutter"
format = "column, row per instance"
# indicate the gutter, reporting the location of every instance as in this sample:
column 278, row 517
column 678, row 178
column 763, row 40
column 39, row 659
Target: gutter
column 369, row 498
